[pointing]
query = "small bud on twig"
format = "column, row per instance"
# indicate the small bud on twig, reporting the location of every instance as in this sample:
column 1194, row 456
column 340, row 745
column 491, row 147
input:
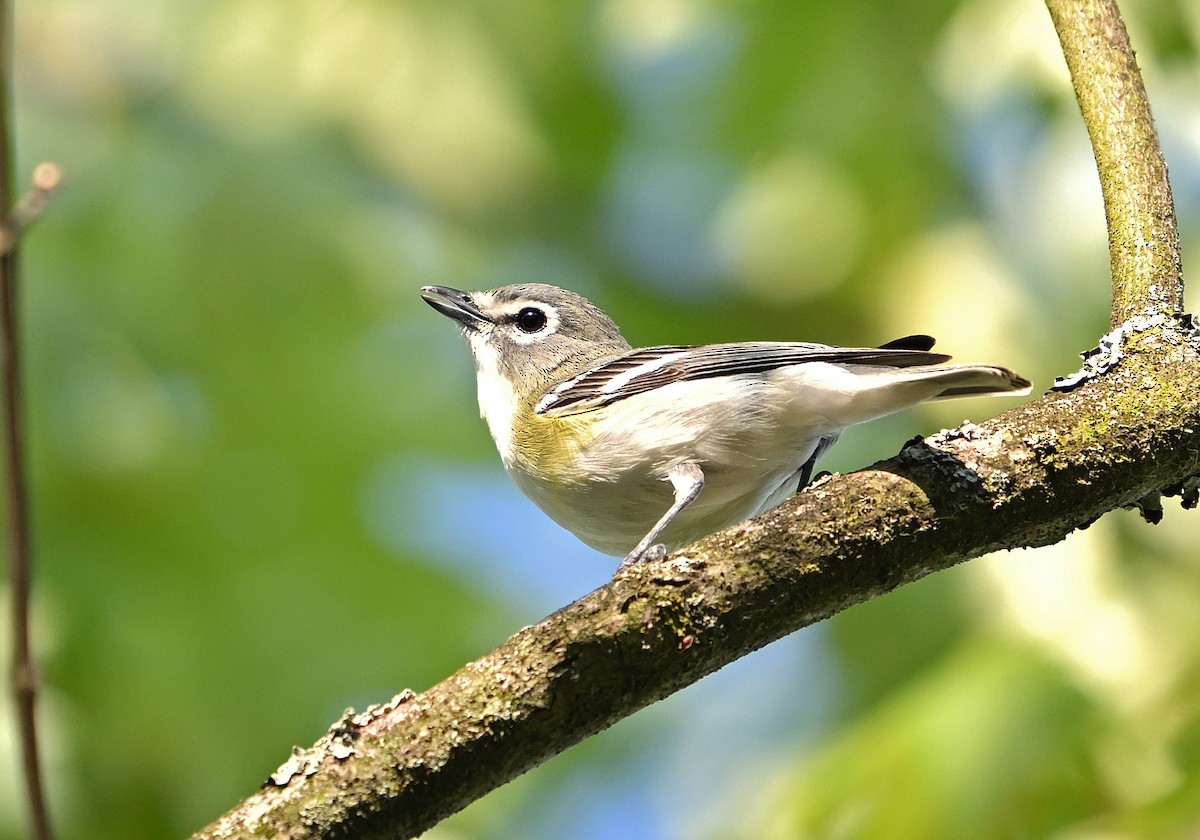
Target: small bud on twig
column 45, row 180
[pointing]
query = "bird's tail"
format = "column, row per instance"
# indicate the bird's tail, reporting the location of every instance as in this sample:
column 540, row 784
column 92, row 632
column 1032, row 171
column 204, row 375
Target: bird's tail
column 974, row 380
column 864, row 392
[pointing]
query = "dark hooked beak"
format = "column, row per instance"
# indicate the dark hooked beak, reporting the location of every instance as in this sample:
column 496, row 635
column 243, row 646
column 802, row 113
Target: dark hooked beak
column 454, row 304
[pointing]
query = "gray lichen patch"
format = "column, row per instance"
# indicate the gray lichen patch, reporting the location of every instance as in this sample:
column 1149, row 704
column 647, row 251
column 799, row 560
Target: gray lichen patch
column 337, row 743
column 1108, row 353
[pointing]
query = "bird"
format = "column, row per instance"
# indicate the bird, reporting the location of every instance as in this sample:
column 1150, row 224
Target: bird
column 639, row 451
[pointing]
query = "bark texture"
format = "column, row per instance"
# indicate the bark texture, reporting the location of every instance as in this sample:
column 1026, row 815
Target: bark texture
column 1143, row 237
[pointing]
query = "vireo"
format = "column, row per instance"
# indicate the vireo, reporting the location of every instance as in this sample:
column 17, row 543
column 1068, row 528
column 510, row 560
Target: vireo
column 630, row 449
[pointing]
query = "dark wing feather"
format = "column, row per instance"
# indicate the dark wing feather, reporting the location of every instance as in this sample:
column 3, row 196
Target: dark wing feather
column 653, row 367
column 910, row 342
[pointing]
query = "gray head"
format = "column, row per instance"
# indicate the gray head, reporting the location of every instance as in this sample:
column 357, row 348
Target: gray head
column 531, row 333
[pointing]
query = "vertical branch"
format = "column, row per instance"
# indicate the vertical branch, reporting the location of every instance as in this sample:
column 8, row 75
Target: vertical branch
column 23, row 674
column 1143, row 237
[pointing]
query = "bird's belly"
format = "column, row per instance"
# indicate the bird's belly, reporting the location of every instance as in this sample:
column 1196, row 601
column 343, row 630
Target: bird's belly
column 613, row 515
column 612, row 489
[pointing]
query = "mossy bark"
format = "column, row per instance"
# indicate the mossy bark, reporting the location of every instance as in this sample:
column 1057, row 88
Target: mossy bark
column 1143, row 237
column 1026, row 478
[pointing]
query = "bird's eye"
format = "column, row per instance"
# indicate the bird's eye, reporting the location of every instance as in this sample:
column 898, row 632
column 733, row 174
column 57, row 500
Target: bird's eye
column 531, row 319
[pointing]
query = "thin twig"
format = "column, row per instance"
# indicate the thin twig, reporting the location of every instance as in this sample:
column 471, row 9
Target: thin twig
column 1143, row 237
column 23, row 673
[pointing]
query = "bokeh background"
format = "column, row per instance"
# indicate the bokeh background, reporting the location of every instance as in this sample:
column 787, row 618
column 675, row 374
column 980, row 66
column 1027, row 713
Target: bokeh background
column 263, row 493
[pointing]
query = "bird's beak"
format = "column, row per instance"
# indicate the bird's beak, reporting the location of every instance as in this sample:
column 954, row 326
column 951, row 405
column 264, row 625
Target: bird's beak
column 455, row 304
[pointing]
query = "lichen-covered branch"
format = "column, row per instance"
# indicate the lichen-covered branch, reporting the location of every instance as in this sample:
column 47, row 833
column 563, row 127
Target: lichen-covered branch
column 1121, row 431
column 1026, row 479
column 1143, row 236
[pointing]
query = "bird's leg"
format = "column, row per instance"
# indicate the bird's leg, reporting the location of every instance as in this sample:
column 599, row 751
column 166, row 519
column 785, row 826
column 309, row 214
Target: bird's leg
column 805, row 474
column 688, row 481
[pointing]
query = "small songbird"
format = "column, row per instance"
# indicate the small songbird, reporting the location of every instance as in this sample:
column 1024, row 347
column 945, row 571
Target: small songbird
column 659, row 446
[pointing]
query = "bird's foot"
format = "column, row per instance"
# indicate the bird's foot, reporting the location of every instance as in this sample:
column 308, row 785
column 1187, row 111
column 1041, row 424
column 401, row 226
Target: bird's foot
column 651, row 554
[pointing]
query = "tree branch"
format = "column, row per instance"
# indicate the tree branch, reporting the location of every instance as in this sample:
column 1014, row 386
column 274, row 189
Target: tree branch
column 16, row 218
column 1143, row 238
column 1120, row 431
column 1026, row 479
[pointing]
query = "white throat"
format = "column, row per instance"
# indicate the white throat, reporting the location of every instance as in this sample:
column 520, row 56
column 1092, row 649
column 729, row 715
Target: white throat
column 497, row 399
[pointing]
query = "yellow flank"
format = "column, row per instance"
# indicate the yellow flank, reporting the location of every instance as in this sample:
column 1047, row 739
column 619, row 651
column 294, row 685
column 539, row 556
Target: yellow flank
column 549, row 447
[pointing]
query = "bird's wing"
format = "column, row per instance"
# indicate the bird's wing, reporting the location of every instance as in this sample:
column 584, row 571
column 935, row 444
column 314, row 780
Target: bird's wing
column 653, row 367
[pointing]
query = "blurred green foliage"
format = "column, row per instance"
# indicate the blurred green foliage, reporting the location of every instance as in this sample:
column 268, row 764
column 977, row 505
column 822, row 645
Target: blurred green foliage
column 262, row 492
